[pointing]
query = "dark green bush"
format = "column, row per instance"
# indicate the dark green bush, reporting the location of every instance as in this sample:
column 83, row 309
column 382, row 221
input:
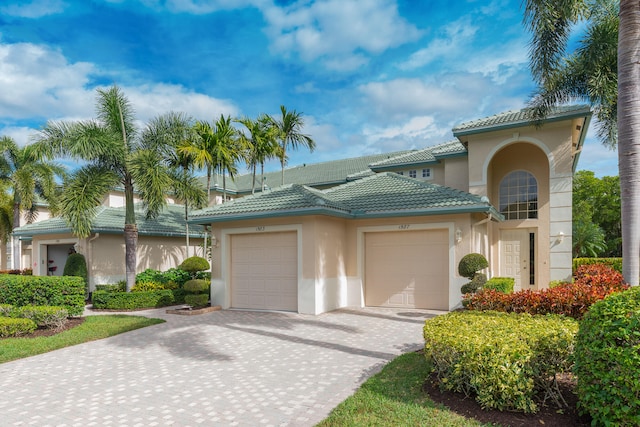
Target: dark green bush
column 10, row 327
column 197, row 300
column 137, row 300
column 196, row 286
column 153, row 286
column 615, row 263
column 65, row 291
column 502, row 359
column 76, row 265
column 49, row 317
column 607, row 360
column 470, row 264
column 172, row 275
column 121, row 286
column 194, row 264
column 478, row 281
column 500, row 284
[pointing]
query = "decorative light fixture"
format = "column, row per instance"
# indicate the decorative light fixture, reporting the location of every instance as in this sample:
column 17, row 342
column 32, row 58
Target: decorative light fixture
column 458, row 235
column 560, row 237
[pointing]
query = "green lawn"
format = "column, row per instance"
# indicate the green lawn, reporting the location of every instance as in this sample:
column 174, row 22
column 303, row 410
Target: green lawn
column 93, row 328
column 394, row 397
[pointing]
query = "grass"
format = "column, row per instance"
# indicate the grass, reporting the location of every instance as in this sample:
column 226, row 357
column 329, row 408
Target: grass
column 394, row 397
column 93, row 328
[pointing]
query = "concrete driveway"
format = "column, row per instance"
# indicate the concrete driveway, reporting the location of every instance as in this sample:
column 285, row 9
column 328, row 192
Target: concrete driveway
column 218, row 369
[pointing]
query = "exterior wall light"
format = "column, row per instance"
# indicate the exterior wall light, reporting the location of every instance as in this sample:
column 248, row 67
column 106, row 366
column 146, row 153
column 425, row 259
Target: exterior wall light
column 560, row 237
column 458, row 235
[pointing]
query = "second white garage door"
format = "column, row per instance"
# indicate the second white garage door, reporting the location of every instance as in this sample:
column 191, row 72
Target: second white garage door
column 264, row 271
column 407, row 269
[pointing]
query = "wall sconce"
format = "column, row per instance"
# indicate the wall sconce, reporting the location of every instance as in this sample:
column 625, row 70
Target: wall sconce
column 560, row 237
column 458, row 235
column 214, row 241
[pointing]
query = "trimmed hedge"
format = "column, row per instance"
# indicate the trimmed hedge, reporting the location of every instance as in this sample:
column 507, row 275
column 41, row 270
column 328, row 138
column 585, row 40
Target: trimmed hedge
column 470, row 264
column 137, row 300
column 513, row 357
column 615, row 263
column 10, row 327
column 500, row 284
column 65, row 291
column 76, row 265
column 197, row 300
column 49, row 317
column 171, row 275
column 194, row 264
column 607, row 360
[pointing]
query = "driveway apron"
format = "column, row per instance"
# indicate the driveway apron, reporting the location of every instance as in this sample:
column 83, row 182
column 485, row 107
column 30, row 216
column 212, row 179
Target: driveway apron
column 223, row 368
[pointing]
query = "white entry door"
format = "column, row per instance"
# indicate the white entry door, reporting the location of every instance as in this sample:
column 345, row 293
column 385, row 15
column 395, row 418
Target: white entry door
column 514, row 256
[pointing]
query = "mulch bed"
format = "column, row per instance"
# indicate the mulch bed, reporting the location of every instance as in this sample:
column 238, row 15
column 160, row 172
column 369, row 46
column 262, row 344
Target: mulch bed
column 548, row 416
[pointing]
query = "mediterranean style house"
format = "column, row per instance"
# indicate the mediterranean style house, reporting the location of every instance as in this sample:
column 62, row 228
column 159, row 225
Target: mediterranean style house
column 390, row 229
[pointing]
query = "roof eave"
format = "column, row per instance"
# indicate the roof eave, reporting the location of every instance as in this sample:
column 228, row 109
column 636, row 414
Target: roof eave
column 431, row 211
column 583, row 135
column 270, row 214
column 520, row 123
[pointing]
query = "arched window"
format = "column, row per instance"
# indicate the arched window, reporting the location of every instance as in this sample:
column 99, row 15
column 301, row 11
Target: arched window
column 519, row 196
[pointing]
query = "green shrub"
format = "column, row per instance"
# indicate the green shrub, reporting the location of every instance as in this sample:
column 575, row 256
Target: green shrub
column 197, row 300
column 556, row 283
column 65, row 291
column 121, row 286
column 194, row 264
column 153, row 286
column 196, row 286
column 615, row 263
column 502, row 359
column 137, row 300
column 607, row 360
column 5, row 309
column 470, row 264
column 172, row 275
column 10, row 327
column 479, row 279
column 49, row 317
column 76, row 265
column 501, row 284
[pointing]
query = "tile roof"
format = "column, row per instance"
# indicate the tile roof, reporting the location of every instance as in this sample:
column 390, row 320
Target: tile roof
column 423, row 156
column 314, row 174
column 109, row 220
column 384, row 194
column 518, row 118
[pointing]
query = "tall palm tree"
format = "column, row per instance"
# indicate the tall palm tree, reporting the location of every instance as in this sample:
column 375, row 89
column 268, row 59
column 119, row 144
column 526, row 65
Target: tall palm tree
column 6, row 222
column 169, row 132
column 114, row 156
column 29, row 176
column 290, row 126
column 604, row 71
column 261, row 144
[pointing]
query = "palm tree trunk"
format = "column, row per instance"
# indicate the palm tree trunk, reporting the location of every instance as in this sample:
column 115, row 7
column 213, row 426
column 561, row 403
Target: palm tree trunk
column 15, row 249
column 262, row 177
column 629, row 136
column 282, row 160
column 130, row 235
column 186, row 225
column 208, row 186
column 224, row 187
column 253, row 180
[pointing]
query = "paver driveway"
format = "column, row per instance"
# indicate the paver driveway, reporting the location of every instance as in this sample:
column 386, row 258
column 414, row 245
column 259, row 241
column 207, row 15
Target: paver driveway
column 222, row 368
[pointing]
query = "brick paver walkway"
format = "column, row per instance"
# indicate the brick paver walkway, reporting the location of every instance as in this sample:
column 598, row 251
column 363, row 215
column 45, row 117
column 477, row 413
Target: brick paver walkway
column 218, row 369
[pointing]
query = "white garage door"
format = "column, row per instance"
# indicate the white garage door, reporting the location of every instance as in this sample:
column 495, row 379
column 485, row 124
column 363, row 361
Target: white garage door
column 264, row 271
column 407, row 269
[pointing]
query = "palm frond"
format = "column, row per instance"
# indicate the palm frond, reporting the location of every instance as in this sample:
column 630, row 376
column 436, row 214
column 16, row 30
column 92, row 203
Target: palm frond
column 151, row 179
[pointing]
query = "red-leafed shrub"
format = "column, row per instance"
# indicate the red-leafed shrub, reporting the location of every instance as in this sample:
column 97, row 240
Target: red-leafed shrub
column 591, row 284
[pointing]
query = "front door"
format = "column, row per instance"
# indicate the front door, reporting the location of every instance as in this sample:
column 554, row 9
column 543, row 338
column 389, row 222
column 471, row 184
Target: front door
column 514, row 256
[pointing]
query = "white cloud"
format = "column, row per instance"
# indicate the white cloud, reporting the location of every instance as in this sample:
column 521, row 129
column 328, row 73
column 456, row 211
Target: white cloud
column 34, row 9
column 324, row 135
column 456, row 36
column 198, row 7
column 333, row 30
column 20, row 134
column 417, row 132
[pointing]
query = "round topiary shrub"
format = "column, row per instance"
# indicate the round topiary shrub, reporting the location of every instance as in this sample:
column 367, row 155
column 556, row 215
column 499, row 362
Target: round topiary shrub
column 470, row 264
column 197, row 300
column 607, row 360
column 196, row 286
column 479, row 279
column 194, row 264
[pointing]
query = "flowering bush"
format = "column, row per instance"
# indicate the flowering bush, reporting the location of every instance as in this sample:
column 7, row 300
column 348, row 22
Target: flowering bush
column 592, row 283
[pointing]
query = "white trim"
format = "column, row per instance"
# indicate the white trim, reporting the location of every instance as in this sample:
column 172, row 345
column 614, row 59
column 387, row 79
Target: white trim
column 37, row 258
column 225, row 257
column 404, row 228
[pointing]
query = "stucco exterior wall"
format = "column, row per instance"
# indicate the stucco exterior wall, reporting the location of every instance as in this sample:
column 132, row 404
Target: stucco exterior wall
column 456, row 173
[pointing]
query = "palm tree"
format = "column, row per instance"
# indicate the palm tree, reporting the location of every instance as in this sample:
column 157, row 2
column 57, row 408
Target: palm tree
column 169, row 132
column 28, row 176
column 289, row 128
column 261, row 144
column 114, row 156
column 603, row 71
column 6, row 222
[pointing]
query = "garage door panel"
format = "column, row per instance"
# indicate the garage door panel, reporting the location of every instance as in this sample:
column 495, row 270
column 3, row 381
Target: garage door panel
column 264, row 271
column 407, row 269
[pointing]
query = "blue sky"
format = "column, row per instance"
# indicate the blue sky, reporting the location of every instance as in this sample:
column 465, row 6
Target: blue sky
column 368, row 75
